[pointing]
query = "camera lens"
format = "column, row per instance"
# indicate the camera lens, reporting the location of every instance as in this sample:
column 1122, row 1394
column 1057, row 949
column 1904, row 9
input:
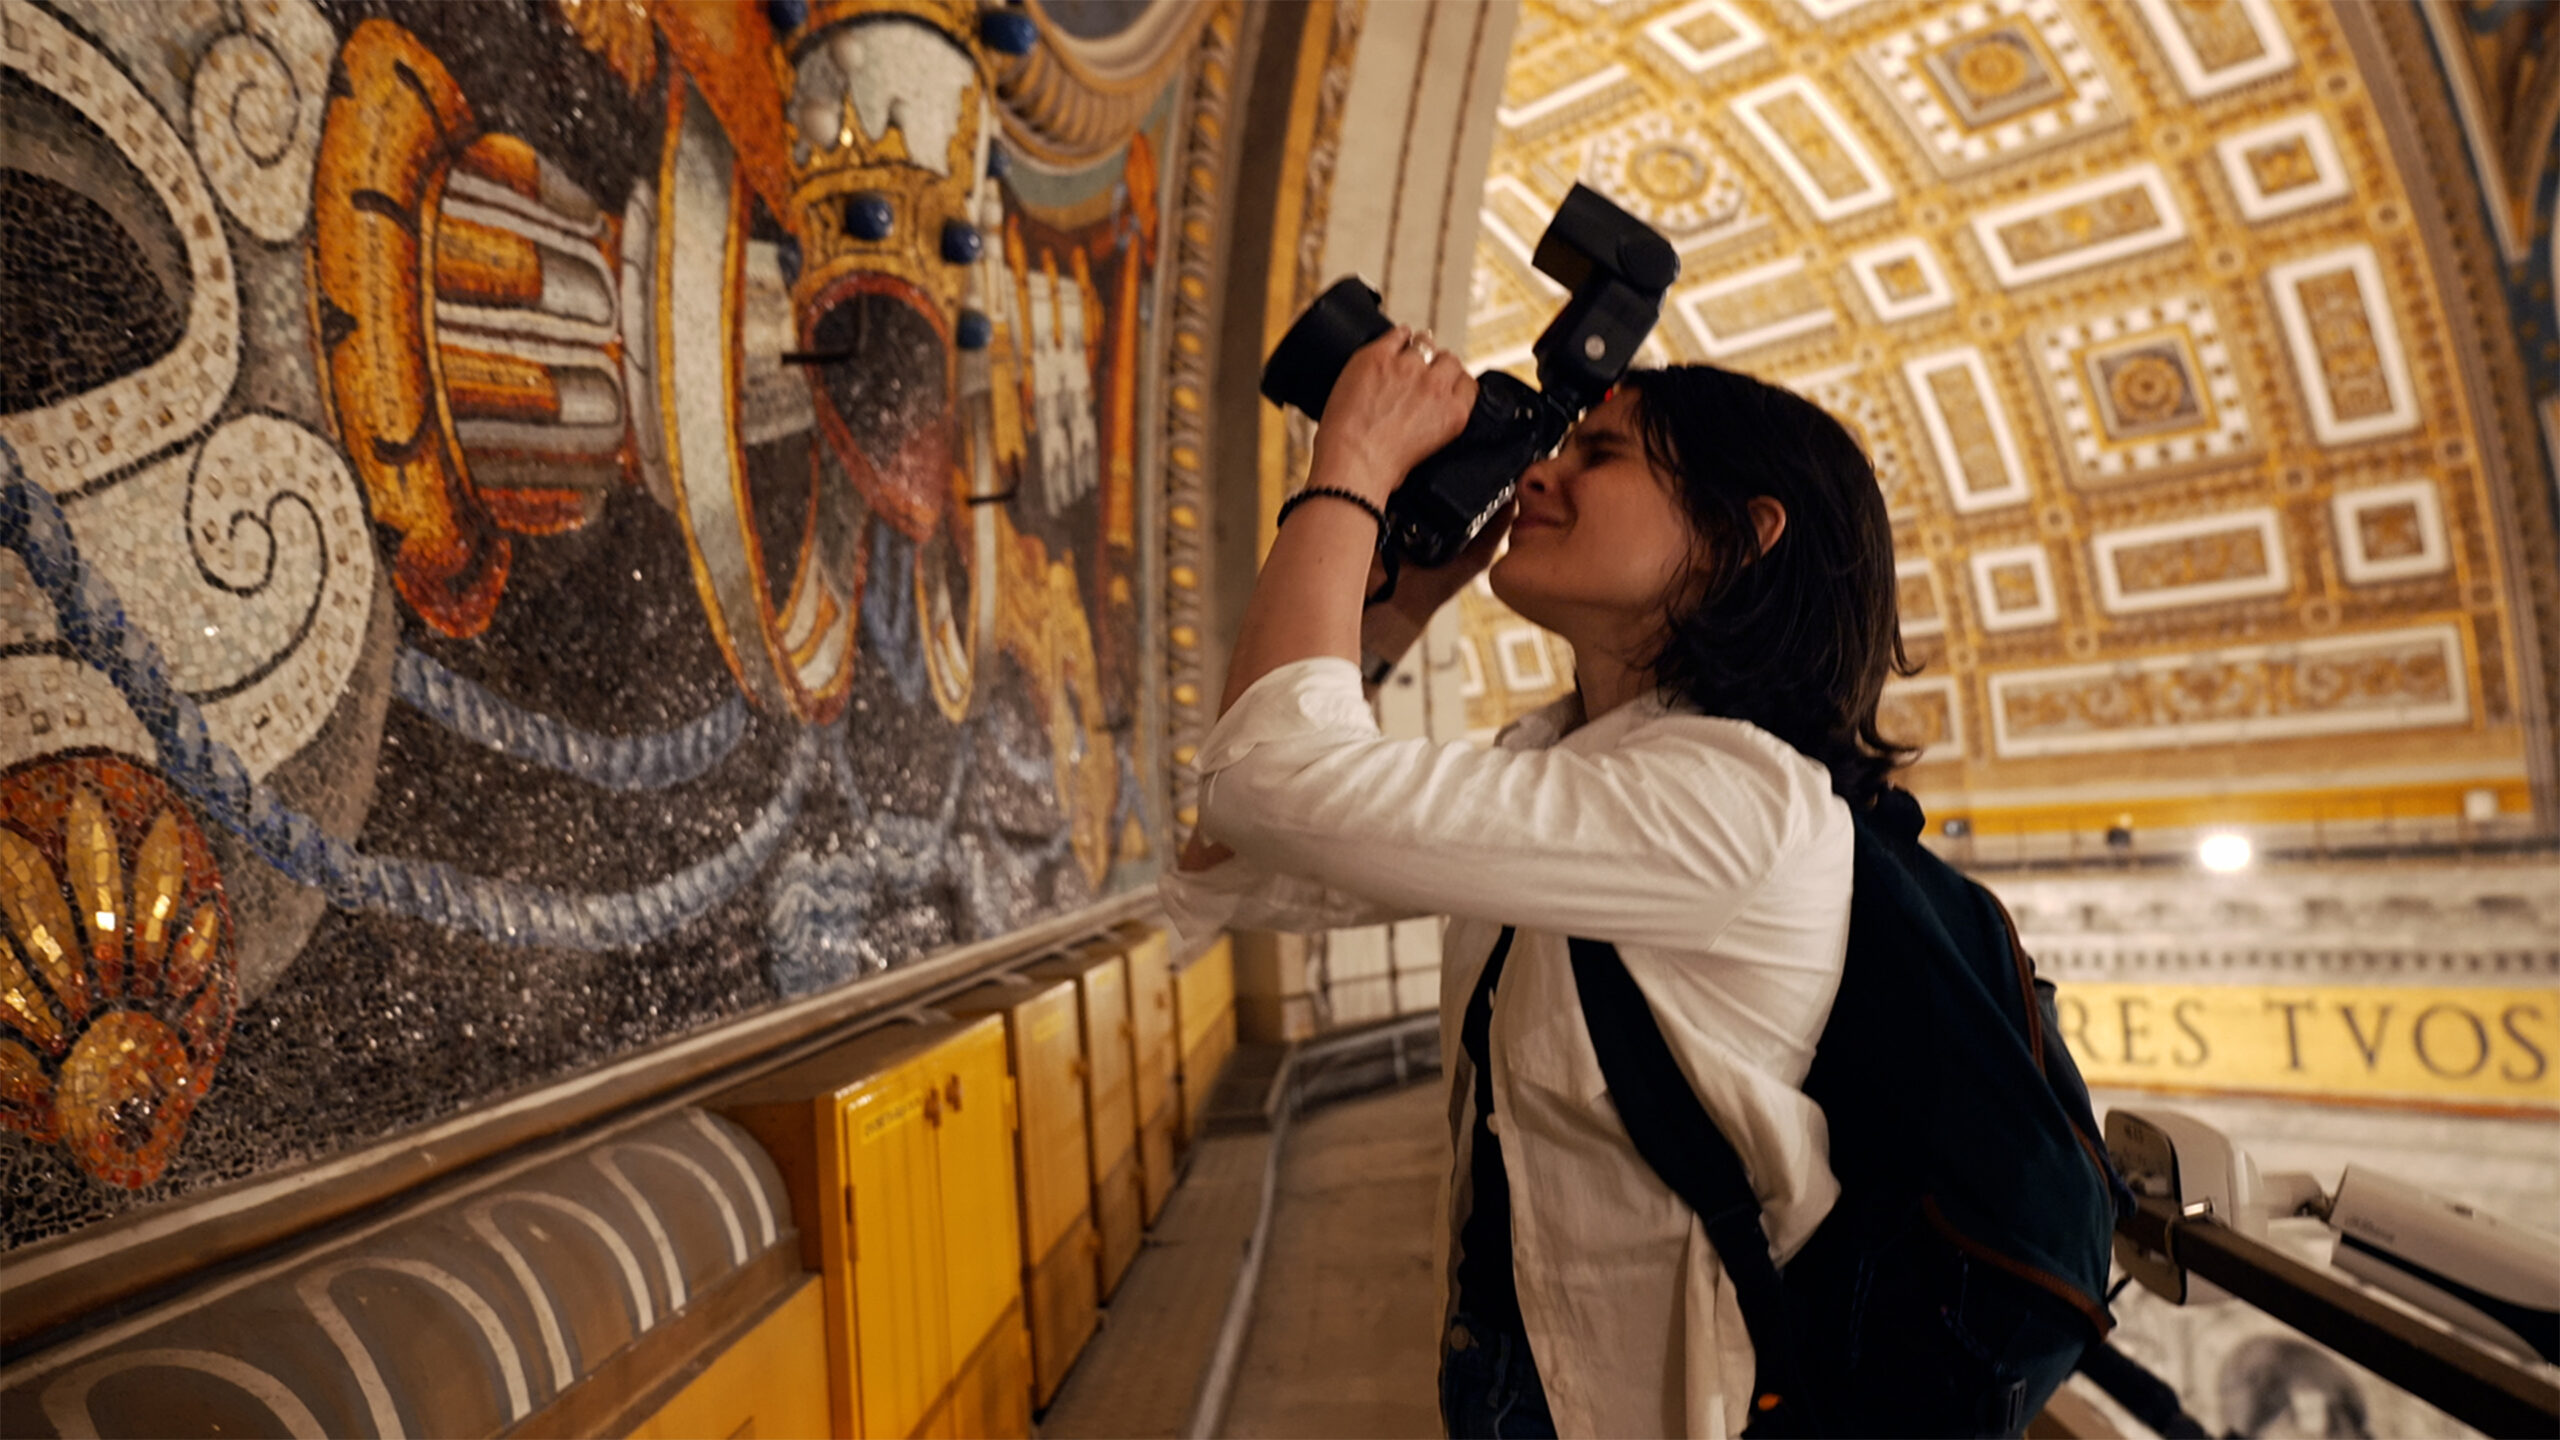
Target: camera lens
column 1306, row 362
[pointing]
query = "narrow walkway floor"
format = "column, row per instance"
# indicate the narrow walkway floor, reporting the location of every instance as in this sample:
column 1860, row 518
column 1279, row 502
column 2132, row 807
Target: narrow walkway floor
column 1346, row 1318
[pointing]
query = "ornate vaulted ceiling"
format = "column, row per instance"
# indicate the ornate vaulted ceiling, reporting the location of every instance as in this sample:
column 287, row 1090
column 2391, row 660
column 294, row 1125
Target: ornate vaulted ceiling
column 2132, row 304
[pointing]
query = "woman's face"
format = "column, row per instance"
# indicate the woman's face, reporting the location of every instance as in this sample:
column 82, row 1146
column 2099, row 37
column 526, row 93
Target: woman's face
column 1601, row 540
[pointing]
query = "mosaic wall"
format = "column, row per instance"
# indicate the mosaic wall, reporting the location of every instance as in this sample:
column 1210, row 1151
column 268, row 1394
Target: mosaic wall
column 2136, row 312
column 530, row 529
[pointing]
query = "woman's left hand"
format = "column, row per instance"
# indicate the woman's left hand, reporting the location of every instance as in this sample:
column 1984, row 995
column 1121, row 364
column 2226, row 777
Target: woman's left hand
column 1399, row 399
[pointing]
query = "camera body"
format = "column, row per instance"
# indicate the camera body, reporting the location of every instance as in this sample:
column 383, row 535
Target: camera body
column 1617, row 268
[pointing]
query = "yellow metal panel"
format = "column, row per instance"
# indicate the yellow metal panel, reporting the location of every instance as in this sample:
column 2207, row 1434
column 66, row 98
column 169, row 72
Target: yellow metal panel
column 1111, row 1106
column 1118, row 1218
column 902, row 1343
column 1047, row 1046
column 1156, row 1163
column 1201, row 1066
column 1063, row 1298
column 981, row 1225
column 992, row 1396
column 772, row 1383
column 1156, row 1050
column 1101, row 974
column 797, row 1114
column 1204, row 994
column 1057, row 1163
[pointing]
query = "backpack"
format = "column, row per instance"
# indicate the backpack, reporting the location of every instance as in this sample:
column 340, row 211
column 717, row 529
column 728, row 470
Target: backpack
column 1964, row 1269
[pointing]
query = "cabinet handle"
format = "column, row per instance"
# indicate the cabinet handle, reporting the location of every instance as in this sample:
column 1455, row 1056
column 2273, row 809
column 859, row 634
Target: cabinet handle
column 932, row 1106
column 951, row 1093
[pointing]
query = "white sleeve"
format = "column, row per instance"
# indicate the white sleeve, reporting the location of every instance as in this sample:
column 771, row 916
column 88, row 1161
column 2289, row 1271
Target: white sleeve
column 1241, row 892
column 1659, row 840
column 1238, row 894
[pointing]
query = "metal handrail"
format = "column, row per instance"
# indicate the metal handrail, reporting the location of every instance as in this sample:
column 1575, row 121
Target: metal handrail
column 2474, row 1384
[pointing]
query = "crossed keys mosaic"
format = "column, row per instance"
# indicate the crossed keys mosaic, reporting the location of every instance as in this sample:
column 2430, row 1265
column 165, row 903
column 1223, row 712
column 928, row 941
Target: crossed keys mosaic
column 526, row 530
column 2135, row 309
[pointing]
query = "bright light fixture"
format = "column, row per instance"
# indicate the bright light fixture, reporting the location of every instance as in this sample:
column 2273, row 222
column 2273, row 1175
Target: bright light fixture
column 2224, row 851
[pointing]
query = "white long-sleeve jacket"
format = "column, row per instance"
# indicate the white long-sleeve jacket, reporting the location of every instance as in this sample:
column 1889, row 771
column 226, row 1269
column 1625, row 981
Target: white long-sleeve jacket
column 1717, row 860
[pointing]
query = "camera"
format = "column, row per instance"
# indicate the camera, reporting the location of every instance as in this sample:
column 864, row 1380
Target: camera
column 1617, row 268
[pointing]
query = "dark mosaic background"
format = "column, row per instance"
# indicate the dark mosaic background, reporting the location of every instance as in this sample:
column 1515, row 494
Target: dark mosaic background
column 368, row 744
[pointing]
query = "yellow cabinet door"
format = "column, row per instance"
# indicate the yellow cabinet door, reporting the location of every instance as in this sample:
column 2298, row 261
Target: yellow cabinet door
column 901, row 1336
column 770, row 1384
column 1111, row 1107
column 1151, row 1020
column 1057, row 1176
column 981, row 1228
column 1204, row 995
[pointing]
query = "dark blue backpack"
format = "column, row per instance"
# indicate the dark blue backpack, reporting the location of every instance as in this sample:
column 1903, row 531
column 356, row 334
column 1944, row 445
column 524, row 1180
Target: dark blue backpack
column 1964, row 1269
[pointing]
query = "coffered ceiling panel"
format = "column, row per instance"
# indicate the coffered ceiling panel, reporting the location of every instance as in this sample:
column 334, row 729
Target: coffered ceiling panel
column 2136, row 315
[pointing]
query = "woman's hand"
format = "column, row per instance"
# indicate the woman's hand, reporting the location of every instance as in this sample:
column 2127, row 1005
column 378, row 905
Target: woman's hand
column 1202, row 853
column 1399, row 399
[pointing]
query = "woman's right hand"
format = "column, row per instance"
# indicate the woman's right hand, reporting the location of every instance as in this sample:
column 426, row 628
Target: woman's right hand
column 1398, row 400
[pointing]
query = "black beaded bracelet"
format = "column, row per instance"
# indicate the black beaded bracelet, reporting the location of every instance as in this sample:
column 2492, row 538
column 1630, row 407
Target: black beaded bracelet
column 1337, row 492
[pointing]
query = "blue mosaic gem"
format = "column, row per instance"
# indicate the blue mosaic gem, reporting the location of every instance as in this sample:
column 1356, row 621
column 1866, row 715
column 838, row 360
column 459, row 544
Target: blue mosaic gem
column 786, row 15
column 999, row 162
column 974, row 330
column 868, row 217
column 961, row 243
column 1008, row 32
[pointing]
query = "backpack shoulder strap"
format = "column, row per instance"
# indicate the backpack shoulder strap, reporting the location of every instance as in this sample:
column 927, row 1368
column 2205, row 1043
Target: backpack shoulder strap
column 1680, row 1140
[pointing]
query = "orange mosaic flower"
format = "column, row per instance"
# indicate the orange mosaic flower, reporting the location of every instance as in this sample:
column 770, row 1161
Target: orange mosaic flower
column 119, row 985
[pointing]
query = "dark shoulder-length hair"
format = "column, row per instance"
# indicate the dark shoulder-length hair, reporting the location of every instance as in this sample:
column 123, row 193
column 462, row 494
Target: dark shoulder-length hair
column 1798, row 641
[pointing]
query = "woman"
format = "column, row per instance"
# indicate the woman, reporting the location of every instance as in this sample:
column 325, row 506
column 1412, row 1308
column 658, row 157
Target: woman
column 1717, row 553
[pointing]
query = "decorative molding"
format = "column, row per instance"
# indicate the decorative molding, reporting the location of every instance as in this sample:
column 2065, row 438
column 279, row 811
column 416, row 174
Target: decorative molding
column 2236, row 555
column 2077, row 226
column 2218, row 48
column 2345, row 341
column 1968, row 429
column 2390, row 532
column 2283, row 168
column 1071, row 101
column 2409, row 923
column 1918, row 578
column 1902, row 278
column 1754, row 308
column 2149, row 389
column 498, row 1287
column 1522, row 653
column 1632, row 162
column 1514, row 245
column 1189, row 708
column 2013, row 588
column 1813, row 146
column 1730, row 35
column 1566, row 101
column 1925, row 714
column 2383, row 680
column 1986, row 83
